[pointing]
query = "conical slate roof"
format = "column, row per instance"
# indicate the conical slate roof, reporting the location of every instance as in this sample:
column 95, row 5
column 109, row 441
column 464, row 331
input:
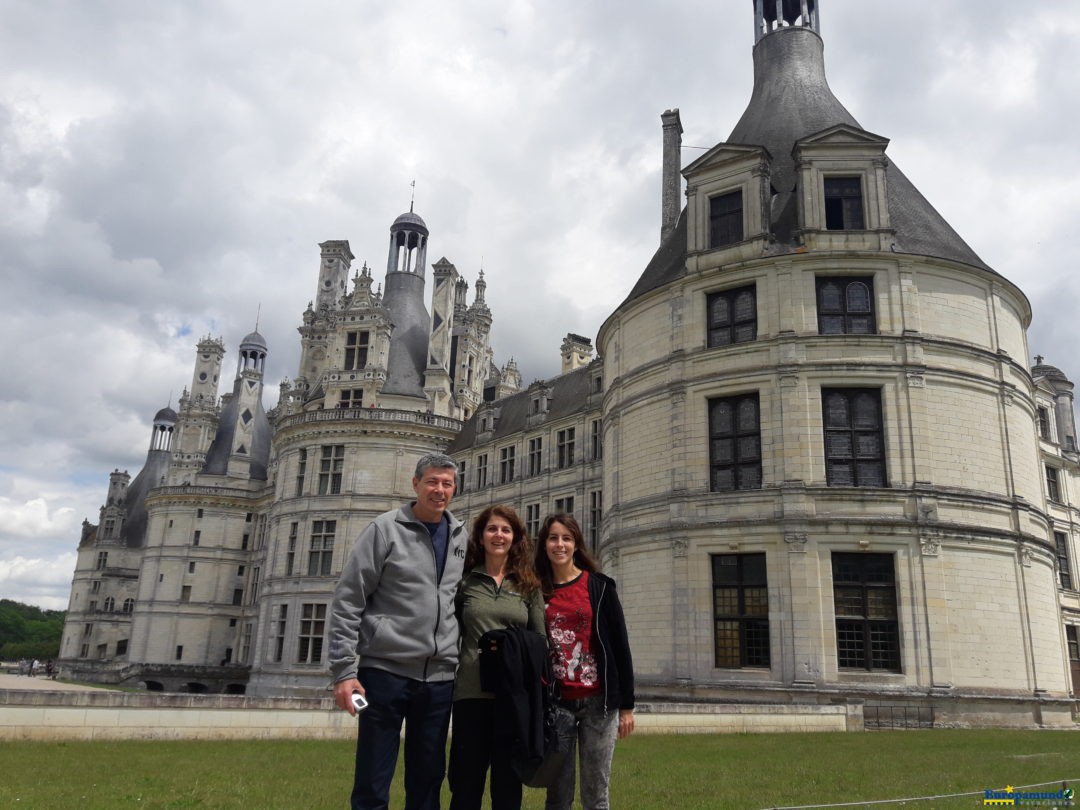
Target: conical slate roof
column 791, row 101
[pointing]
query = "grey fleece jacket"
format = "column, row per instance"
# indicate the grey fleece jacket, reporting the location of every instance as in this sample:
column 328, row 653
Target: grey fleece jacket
column 390, row 609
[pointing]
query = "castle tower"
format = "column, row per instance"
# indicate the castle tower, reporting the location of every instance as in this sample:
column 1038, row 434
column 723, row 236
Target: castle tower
column 333, row 273
column 809, row 367
column 404, row 298
column 197, row 421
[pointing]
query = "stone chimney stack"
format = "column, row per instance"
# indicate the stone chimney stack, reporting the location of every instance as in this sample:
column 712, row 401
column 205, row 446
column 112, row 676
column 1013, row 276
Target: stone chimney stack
column 671, row 181
column 576, row 351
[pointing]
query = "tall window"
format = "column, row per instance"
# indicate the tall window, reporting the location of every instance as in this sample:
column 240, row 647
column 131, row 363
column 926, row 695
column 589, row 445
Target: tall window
column 196, row 537
column 734, row 443
column 129, row 605
column 532, row 519
column 845, row 305
column 330, row 467
column 732, row 316
column 109, row 527
column 1053, row 484
column 507, row 457
column 564, row 446
column 245, row 643
column 1044, row 423
column 536, row 449
column 1061, row 549
column 352, row 398
column 843, row 204
column 103, row 560
column 356, row 350
column 277, row 637
column 462, row 479
column 301, row 471
column 253, row 591
column 864, row 595
column 596, row 439
column 565, row 504
column 110, row 604
column 740, row 610
column 179, row 652
column 312, row 627
column 321, row 554
column 121, row 647
column 854, row 437
column 185, row 593
column 290, row 556
column 726, row 219
column 596, row 514
column 481, row 471
column 238, row 596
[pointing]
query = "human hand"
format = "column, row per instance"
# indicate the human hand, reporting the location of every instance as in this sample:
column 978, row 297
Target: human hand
column 343, row 691
column 626, row 722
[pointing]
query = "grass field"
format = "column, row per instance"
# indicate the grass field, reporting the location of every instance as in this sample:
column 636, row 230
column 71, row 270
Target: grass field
column 750, row 772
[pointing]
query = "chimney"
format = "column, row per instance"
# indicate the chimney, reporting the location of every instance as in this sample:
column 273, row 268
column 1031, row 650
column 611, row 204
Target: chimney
column 671, row 181
column 576, row 351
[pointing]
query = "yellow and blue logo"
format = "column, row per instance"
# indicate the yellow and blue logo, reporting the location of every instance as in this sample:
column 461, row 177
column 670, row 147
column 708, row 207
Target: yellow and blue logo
column 1011, row 797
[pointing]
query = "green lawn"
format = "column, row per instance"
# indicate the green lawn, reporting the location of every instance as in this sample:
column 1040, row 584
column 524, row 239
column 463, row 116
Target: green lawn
column 650, row 773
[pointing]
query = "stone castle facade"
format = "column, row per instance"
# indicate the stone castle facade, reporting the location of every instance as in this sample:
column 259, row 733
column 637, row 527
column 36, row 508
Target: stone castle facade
column 810, row 449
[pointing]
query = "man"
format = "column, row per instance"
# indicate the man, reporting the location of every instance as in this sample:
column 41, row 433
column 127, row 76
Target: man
column 393, row 638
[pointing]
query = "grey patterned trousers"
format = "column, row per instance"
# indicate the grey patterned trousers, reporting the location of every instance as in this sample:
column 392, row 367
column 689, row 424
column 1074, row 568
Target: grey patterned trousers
column 597, row 731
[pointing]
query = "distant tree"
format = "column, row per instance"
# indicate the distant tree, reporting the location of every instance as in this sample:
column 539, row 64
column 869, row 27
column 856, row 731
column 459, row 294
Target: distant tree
column 27, row 631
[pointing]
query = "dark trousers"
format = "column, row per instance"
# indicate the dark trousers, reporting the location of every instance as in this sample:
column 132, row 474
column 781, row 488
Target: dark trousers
column 425, row 709
column 473, row 748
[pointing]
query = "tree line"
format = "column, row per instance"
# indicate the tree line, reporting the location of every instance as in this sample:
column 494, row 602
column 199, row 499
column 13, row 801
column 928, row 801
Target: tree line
column 27, row 631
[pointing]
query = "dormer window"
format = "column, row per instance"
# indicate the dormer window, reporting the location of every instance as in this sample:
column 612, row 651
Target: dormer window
column 843, row 204
column 726, row 219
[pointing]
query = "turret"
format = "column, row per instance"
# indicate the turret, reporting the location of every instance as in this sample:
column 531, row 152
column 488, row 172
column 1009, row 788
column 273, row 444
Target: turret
column 404, row 298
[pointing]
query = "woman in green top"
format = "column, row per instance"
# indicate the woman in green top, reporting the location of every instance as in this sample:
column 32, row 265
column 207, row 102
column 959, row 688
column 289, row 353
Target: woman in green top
column 499, row 590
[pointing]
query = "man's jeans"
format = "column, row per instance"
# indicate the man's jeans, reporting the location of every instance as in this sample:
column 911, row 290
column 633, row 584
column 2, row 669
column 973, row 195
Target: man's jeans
column 425, row 709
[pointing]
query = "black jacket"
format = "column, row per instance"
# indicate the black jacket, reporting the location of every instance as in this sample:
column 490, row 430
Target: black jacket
column 616, row 666
column 514, row 664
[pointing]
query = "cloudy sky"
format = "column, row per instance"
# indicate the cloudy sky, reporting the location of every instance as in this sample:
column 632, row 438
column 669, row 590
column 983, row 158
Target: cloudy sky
column 168, row 168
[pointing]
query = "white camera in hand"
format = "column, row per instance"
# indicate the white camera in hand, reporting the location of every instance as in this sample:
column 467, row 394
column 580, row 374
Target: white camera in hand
column 359, row 702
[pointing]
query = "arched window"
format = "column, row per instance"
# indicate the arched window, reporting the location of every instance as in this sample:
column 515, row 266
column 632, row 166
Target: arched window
column 110, row 604
column 129, row 605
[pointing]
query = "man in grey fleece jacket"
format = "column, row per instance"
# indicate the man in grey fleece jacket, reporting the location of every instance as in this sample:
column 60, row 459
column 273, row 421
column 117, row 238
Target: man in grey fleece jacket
column 393, row 638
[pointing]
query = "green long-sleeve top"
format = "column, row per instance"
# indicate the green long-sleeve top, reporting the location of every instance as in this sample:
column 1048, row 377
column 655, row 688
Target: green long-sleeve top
column 481, row 606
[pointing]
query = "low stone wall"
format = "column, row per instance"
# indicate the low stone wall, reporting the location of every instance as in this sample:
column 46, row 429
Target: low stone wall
column 108, row 715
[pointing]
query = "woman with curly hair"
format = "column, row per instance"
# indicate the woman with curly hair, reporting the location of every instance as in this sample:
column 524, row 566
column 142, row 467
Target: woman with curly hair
column 499, row 590
column 590, row 657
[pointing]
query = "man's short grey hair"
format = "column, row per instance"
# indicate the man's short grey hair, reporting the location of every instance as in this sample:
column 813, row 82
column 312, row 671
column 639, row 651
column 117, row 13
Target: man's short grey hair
column 438, row 461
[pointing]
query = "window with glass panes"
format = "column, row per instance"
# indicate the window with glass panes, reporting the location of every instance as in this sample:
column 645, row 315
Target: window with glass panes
column 290, row 555
column 845, row 305
column 596, row 514
column 481, row 471
column 843, row 204
column 536, row 449
column 725, row 219
column 1053, row 484
column 734, row 443
column 1061, row 550
column 532, row 519
column 310, row 637
column 331, row 466
column 352, row 398
column 301, row 471
column 277, row 637
column 740, row 611
column 507, row 458
column 565, row 505
column 321, row 552
column 356, row 350
column 732, row 316
column 864, row 601
column 564, row 447
column 854, row 437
